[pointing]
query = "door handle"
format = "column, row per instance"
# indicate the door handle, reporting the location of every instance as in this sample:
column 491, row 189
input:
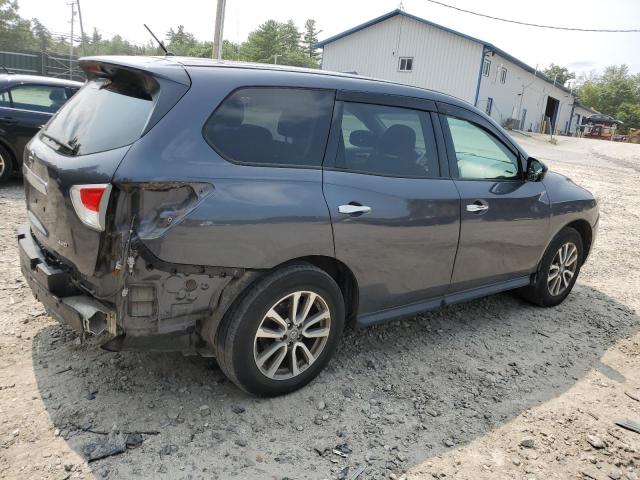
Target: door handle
column 354, row 209
column 9, row 120
column 477, row 207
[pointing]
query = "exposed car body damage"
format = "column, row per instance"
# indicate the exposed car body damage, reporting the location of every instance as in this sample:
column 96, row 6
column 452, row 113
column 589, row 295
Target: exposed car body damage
column 188, row 230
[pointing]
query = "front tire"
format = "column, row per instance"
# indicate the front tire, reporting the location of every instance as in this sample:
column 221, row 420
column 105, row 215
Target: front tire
column 558, row 272
column 282, row 332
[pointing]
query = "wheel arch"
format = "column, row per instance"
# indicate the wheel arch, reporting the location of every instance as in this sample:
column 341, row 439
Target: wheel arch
column 584, row 229
column 236, row 288
column 586, row 233
column 342, row 275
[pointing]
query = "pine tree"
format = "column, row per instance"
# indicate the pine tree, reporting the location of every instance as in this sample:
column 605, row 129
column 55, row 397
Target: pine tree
column 310, row 38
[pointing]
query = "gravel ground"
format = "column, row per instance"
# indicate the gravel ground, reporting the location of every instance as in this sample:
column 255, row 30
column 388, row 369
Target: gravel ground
column 494, row 388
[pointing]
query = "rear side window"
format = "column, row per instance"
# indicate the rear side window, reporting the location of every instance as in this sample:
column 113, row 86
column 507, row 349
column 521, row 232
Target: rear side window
column 39, row 98
column 274, row 126
column 103, row 115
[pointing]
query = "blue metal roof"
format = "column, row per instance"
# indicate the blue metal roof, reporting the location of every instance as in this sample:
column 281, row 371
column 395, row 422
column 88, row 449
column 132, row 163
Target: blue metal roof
column 488, row 45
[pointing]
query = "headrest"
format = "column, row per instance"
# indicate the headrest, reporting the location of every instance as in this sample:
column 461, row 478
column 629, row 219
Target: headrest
column 397, row 139
column 57, row 95
column 361, row 138
column 232, row 111
column 294, row 124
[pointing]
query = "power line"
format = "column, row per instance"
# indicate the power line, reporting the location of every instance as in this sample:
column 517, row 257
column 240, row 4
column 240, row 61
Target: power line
column 597, row 30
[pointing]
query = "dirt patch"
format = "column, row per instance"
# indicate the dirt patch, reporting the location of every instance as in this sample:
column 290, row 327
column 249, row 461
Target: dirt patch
column 491, row 389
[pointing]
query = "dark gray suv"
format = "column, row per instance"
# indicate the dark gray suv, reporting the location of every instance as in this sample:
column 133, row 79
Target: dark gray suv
column 250, row 212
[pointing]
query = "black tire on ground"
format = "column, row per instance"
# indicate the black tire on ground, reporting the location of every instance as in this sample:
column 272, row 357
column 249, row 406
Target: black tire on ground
column 539, row 293
column 234, row 341
column 6, row 165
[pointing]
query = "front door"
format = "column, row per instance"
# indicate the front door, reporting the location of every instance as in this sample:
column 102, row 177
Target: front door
column 395, row 217
column 504, row 218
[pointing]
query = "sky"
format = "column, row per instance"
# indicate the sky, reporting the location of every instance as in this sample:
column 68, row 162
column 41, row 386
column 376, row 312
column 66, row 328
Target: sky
column 580, row 52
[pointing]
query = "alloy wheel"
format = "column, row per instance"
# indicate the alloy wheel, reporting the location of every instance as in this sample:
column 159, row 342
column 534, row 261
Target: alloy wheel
column 562, row 269
column 3, row 165
column 292, row 335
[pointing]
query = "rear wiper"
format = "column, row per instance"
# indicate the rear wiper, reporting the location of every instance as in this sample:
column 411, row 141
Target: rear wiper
column 71, row 149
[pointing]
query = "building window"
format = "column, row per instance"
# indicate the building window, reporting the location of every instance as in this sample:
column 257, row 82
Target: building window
column 406, row 64
column 489, row 106
column 503, row 75
column 486, row 67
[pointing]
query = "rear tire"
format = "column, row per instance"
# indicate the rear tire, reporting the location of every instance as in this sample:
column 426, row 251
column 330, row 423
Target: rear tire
column 265, row 349
column 558, row 272
column 6, row 165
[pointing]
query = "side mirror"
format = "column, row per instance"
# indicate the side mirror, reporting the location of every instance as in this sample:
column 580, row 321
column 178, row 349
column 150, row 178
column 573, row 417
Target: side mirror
column 536, row 170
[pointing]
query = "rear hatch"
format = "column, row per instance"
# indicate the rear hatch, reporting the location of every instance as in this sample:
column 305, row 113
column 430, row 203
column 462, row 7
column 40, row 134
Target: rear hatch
column 69, row 165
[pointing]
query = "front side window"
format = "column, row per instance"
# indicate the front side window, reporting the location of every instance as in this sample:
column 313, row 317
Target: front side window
column 40, row 98
column 273, row 126
column 383, row 140
column 406, row 64
column 479, row 154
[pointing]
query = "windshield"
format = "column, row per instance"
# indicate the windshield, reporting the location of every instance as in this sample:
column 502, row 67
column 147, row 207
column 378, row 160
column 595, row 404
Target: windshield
column 103, row 115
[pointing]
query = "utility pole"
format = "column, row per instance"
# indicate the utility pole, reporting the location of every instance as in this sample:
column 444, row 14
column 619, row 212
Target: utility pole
column 81, row 27
column 73, row 14
column 573, row 109
column 217, row 34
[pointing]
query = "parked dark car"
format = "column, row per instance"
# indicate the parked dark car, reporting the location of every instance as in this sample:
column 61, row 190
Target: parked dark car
column 249, row 212
column 27, row 102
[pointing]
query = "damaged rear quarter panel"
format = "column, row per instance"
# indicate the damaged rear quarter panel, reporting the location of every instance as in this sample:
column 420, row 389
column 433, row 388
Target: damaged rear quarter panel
column 255, row 217
column 252, row 223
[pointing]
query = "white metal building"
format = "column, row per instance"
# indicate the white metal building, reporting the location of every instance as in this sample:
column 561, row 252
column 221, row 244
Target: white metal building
column 403, row 48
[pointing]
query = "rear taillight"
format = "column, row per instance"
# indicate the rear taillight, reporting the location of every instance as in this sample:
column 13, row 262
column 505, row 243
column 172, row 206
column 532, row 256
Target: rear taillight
column 90, row 203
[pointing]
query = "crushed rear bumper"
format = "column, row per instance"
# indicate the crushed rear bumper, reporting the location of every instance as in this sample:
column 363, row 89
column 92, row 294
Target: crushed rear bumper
column 164, row 307
column 51, row 284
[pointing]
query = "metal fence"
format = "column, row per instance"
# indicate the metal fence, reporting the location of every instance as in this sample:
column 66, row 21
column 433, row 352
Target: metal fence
column 42, row 63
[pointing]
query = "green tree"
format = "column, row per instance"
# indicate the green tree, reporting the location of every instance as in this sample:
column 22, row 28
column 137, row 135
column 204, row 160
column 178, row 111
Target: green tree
column 616, row 92
column 276, row 42
column 271, row 41
column 230, row 50
column 560, row 74
column 310, row 38
column 96, row 38
column 15, row 31
column 41, row 33
column 629, row 113
column 607, row 92
column 180, row 42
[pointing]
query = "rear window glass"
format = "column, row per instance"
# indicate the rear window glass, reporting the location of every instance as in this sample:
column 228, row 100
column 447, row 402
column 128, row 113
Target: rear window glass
column 103, row 115
column 282, row 126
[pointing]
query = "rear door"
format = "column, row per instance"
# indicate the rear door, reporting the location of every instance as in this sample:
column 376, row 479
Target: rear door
column 504, row 218
column 83, row 145
column 395, row 215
